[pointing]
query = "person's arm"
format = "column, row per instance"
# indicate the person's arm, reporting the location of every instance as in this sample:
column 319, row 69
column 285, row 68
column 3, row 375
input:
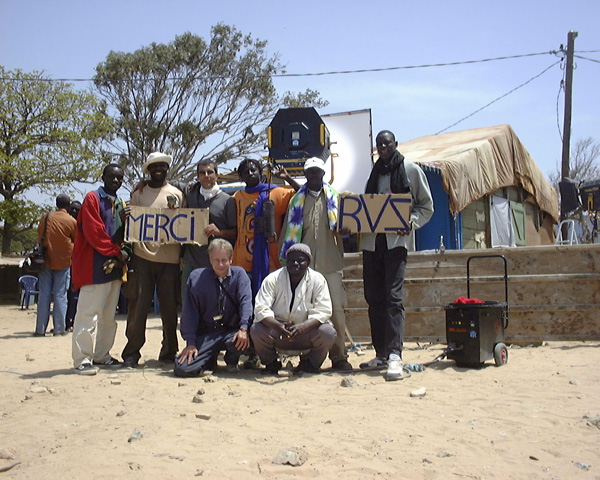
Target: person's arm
column 322, row 308
column 192, row 310
column 422, row 208
column 280, row 327
column 93, row 228
column 280, row 172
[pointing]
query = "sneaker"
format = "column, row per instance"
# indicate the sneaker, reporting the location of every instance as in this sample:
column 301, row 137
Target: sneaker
column 129, row 362
column 86, row 369
column 377, row 363
column 342, row 364
column 62, row 334
column 111, row 363
column 272, row 368
column 394, row 370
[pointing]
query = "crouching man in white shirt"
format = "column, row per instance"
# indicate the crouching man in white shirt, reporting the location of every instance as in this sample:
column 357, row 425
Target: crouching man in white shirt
column 292, row 312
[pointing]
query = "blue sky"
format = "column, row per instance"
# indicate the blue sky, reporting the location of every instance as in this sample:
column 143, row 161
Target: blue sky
column 67, row 39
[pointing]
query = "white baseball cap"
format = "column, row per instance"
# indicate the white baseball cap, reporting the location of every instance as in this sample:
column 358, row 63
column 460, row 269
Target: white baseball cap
column 314, row 162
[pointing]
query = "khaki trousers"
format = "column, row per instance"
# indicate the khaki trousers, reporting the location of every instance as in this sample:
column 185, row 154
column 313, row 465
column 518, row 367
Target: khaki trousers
column 337, row 292
column 95, row 322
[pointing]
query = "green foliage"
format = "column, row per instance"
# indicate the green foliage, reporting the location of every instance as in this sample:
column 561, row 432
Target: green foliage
column 50, row 136
column 189, row 93
column 309, row 98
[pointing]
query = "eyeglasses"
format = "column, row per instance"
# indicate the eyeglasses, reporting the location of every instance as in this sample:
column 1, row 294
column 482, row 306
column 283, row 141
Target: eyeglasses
column 206, row 172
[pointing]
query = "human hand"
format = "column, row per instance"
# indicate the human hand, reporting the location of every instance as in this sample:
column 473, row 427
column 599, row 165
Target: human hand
column 241, row 340
column 188, row 354
column 123, row 257
column 140, row 186
column 280, row 172
column 212, row 230
column 298, row 329
column 405, row 232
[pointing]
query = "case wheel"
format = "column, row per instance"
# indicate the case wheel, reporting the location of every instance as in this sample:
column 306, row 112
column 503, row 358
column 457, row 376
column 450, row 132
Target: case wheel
column 500, row 354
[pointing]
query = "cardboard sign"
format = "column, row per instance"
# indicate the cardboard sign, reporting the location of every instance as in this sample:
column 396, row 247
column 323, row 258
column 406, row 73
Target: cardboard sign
column 382, row 213
column 167, row 225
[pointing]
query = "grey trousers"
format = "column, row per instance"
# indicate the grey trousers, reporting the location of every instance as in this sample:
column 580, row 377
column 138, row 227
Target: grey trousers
column 319, row 340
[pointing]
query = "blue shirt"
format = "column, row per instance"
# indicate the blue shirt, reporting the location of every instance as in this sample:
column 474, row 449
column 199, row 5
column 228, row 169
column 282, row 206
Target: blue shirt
column 204, row 300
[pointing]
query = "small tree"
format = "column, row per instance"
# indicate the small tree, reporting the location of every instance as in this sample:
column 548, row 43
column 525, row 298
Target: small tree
column 584, row 163
column 50, row 136
column 191, row 93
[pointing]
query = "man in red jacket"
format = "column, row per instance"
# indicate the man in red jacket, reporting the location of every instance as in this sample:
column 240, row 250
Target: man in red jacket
column 98, row 260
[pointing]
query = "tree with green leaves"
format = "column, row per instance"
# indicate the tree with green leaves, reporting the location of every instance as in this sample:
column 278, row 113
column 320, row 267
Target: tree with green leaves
column 193, row 99
column 50, row 137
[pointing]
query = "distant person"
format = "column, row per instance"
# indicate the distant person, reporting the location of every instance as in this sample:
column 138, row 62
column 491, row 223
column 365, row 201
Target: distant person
column 98, row 261
column 292, row 312
column 385, row 254
column 217, row 313
column 222, row 217
column 74, row 208
column 153, row 266
column 312, row 220
column 61, row 230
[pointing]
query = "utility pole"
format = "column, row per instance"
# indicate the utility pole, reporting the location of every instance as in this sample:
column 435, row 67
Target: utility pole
column 566, row 145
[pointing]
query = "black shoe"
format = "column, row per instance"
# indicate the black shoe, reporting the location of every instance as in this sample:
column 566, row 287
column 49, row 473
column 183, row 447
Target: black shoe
column 272, row 368
column 129, row 362
column 342, row 365
column 306, row 367
column 253, row 363
column 59, row 334
column 167, row 359
column 111, row 363
column 36, row 334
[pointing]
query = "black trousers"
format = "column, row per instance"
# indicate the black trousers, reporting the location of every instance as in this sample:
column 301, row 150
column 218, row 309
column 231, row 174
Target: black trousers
column 145, row 278
column 209, row 345
column 383, row 276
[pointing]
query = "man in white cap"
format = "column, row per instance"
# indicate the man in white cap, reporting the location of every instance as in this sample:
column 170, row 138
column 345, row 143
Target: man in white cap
column 153, row 266
column 312, row 219
column 292, row 312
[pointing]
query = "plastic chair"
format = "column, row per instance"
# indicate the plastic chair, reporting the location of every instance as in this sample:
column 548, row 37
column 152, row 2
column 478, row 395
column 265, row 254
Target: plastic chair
column 571, row 234
column 29, row 285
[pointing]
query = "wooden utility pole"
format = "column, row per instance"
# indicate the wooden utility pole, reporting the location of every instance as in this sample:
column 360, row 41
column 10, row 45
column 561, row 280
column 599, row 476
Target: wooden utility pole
column 566, row 140
column 566, row 145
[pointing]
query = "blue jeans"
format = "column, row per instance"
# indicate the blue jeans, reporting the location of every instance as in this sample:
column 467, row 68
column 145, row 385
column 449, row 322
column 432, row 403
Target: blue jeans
column 52, row 283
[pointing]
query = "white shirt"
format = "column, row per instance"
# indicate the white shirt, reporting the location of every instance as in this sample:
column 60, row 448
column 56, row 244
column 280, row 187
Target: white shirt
column 311, row 299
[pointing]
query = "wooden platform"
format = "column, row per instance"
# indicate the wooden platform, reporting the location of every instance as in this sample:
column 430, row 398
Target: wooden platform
column 553, row 291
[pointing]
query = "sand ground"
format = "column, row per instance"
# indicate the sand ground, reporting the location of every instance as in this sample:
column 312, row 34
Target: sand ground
column 534, row 418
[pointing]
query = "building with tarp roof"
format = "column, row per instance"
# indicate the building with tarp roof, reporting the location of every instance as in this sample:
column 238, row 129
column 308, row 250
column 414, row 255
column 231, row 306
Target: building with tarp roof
column 487, row 190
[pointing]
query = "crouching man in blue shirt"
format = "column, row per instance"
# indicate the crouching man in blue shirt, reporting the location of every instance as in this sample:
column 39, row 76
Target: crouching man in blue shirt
column 217, row 314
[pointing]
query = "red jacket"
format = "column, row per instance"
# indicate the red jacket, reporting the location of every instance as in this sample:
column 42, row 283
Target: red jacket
column 99, row 238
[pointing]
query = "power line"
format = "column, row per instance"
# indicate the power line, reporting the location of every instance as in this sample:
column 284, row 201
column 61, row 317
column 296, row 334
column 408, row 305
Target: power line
column 586, row 58
column 500, row 97
column 407, row 67
column 342, row 72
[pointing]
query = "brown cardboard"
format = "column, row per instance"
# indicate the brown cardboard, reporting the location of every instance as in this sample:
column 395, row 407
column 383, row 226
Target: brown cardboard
column 382, row 213
column 176, row 225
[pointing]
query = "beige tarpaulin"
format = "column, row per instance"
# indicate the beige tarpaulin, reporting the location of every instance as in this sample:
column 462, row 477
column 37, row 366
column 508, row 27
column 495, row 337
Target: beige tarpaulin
column 477, row 162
